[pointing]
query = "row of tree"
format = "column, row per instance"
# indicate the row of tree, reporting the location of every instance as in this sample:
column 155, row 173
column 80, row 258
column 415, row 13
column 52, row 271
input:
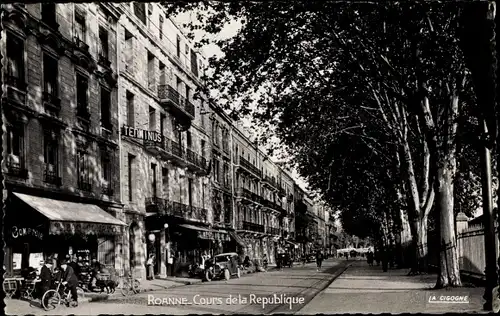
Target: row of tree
column 374, row 102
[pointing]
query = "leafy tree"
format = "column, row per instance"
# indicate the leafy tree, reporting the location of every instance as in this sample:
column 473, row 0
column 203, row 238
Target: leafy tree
column 319, row 72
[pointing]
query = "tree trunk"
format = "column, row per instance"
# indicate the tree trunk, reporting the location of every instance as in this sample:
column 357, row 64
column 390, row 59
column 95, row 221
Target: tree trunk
column 449, row 274
column 419, row 245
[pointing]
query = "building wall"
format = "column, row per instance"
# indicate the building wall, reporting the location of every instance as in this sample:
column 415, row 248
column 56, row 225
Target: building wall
column 69, row 135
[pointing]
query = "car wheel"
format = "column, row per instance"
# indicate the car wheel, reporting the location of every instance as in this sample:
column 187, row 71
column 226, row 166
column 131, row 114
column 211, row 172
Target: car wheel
column 238, row 274
column 208, row 276
column 227, row 274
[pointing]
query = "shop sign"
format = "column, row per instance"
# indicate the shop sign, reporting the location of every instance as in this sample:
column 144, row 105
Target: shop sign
column 19, row 232
column 82, row 228
column 141, row 134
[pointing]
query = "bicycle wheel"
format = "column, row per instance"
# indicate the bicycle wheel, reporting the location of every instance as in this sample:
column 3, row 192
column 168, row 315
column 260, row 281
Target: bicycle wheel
column 136, row 286
column 50, row 300
column 126, row 288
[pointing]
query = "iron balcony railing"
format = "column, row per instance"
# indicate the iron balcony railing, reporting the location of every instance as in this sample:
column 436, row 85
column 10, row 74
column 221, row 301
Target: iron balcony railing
column 50, row 176
column 107, row 189
column 167, row 93
column 249, row 195
column 250, row 167
column 84, row 185
column 16, row 82
column 244, row 225
column 272, row 230
column 271, row 181
column 171, row 208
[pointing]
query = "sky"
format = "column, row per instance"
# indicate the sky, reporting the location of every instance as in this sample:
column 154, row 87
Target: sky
column 210, row 50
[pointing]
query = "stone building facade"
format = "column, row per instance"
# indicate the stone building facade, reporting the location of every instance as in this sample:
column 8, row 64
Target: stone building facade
column 61, row 134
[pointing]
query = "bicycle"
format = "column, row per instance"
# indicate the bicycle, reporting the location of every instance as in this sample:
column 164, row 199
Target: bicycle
column 130, row 285
column 52, row 298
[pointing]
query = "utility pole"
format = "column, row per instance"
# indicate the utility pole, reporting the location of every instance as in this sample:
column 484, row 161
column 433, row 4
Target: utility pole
column 488, row 220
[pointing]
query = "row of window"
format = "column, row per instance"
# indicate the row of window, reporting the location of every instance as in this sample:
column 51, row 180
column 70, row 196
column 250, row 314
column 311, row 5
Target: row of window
column 15, row 73
column 140, row 12
column 48, row 11
column 165, row 184
column 16, row 154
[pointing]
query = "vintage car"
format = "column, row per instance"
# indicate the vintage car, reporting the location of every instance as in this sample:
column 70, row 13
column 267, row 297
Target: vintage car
column 222, row 266
column 284, row 260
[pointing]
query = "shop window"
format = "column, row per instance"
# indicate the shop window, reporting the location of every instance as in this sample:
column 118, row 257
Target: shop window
column 15, row 62
column 83, row 171
column 51, row 157
column 106, row 109
column 106, row 171
column 106, row 251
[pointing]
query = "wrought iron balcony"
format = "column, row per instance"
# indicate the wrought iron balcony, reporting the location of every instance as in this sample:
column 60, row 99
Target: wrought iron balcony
column 188, row 212
column 16, row 82
column 173, row 102
column 80, row 44
column 154, row 147
column 155, row 204
column 104, row 61
column 244, row 225
column 270, row 182
column 197, row 163
column 273, row 230
column 249, row 195
column 50, row 176
column 245, row 164
column 15, row 169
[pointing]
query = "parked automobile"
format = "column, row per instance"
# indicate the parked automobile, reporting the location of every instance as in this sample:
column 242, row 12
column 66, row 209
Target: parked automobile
column 311, row 258
column 285, row 260
column 222, row 266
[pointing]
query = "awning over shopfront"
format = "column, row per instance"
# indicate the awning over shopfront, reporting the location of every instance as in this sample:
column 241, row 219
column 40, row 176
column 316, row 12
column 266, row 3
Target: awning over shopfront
column 74, row 218
column 207, row 233
column 238, row 239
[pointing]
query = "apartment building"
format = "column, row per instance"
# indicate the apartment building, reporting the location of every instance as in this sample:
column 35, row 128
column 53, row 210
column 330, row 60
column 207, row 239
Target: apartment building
column 61, row 148
column 165, row 142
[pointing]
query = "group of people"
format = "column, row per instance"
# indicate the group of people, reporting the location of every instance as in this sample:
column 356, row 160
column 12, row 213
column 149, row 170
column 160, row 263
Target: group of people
column 68, row 274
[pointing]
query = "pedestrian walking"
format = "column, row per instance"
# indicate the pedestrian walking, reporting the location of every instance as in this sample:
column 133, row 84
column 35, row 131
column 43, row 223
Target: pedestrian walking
column 150, row 265
column 369, row 258
column 319, row 260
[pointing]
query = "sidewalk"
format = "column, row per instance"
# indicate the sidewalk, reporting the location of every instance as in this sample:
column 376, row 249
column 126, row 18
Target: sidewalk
column 24, row 307
column 365, row 289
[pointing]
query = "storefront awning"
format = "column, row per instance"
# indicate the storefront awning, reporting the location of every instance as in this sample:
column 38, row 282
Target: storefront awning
column 238, row 239
column 74, row 218
column 207, row 233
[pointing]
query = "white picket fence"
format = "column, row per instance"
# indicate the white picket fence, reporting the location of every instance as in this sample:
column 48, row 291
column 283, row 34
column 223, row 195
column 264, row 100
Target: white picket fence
column 471, row 252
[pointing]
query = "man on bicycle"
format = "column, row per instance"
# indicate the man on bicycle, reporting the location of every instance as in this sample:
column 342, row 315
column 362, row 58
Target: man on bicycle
column 70, row 280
